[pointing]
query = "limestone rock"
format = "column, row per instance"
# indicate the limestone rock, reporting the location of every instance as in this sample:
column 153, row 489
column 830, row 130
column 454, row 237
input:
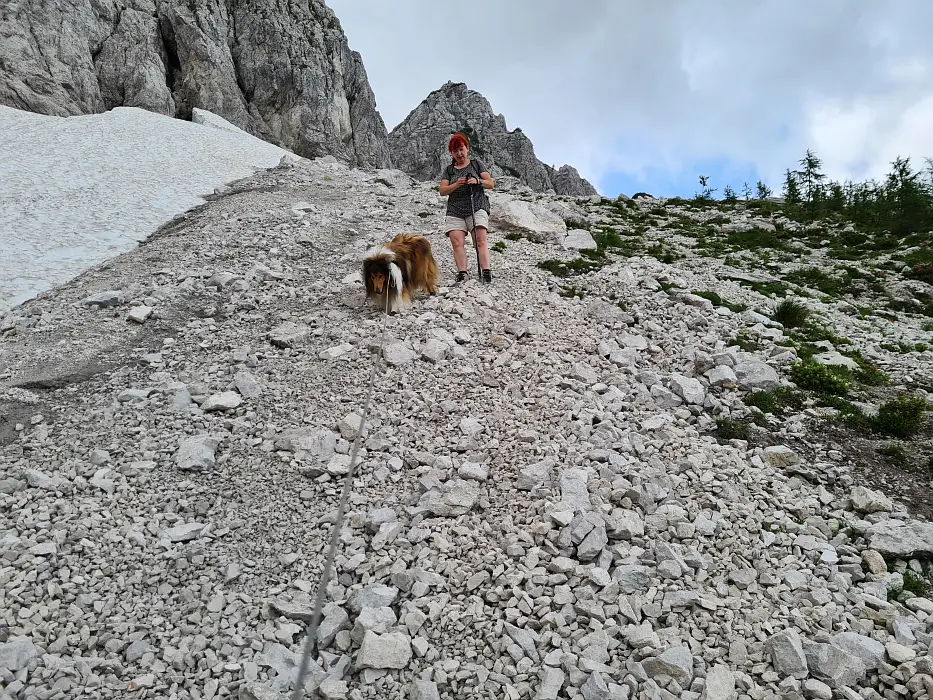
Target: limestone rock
column 579, row 239
column 787, row 655
column 286, row 75
column 392, row 650
column 864, row 500
column 196, row 453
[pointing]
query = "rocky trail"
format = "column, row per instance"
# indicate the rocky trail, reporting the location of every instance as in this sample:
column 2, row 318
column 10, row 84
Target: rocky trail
column 542, row 508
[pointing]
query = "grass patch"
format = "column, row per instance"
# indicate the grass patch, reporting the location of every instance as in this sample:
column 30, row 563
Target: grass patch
column 922, row 272
column 895, row 454
column 513, row 236
column 923, row 256
column 569, row 268
column 498, row 246
column 771, row 288
column 815, row 278
column 665, row 255
column 758, row 238
column 570, row 291
column 744, row 342
column 610, row 241
column 790, row 313
column 719, row 301
column 813, row 332
column 589, row 260
column 775, row 401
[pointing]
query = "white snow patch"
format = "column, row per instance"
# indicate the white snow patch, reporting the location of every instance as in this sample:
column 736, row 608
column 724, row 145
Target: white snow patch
column 75, row 191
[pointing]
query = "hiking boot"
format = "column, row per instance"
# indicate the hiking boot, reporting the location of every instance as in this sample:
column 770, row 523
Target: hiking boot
column 487, row 276
column 461, row 275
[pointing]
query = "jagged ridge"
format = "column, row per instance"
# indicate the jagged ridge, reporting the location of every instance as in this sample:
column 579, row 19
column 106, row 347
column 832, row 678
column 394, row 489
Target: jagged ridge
column 419, row 143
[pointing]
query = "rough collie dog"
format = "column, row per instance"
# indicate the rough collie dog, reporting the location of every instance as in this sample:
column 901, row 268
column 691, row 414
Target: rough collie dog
column 397, row 270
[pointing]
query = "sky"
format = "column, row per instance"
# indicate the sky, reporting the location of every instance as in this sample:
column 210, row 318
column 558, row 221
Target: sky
column 648, row 96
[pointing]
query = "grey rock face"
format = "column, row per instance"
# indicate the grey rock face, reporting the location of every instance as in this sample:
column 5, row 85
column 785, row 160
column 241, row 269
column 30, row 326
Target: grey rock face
column 286, row 74
column 566, row 180
column 419, row 144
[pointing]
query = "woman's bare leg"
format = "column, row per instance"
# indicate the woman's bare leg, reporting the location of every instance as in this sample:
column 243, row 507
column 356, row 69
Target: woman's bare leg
column 483, row 249
column 457, row 239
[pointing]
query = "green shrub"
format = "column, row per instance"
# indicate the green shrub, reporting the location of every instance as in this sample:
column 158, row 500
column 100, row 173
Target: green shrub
column 791, row 313
column 744, row 342
column 917, row 584
column 775, row 401
column 901, row 417
column 728, row 429
column 576, row 223
column 821, row 379
column 498, row 246
column 513, row 236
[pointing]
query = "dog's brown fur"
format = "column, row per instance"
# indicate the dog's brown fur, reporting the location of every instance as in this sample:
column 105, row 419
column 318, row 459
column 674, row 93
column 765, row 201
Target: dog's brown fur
column 413, row 257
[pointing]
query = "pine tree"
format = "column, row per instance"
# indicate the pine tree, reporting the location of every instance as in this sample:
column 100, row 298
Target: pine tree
column 707, row 194
column 763, row 190
column 837, row 198
column 729, row 194
column 810, row 176
column 791, row 188
column 746, row 191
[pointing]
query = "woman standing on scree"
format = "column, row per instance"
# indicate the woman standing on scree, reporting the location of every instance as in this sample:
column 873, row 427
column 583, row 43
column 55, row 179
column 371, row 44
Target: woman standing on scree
column 457, row 185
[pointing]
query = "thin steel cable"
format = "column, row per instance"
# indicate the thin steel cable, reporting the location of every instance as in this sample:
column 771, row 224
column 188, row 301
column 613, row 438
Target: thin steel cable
column 311, row 638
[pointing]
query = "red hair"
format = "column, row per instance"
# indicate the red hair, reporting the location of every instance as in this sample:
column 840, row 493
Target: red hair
column 456, row 141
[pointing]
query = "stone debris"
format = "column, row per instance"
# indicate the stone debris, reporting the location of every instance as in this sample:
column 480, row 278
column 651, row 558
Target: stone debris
column 538, row 509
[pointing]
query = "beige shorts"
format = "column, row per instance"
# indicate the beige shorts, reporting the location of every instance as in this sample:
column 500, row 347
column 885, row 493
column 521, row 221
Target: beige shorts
column 455, row 223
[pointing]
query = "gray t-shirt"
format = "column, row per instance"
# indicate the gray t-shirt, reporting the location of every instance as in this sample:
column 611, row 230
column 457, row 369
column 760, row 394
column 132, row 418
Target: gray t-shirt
column 458, row 201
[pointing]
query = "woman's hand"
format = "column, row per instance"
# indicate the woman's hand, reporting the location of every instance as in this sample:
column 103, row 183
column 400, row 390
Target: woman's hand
column 471, row 181
column 462, row 181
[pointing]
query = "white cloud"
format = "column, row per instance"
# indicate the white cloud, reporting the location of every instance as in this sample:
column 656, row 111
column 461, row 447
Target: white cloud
column 613, row 87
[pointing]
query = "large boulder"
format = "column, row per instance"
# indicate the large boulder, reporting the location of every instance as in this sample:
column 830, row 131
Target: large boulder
column 535, row 221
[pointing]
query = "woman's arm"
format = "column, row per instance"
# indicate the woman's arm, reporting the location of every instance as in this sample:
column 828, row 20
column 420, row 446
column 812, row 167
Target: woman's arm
column 485, row 180
column 447, row 188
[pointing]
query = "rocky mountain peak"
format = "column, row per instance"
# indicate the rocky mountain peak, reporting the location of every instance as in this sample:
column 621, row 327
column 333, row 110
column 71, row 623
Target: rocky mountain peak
column 285, row 74
column 418, row 145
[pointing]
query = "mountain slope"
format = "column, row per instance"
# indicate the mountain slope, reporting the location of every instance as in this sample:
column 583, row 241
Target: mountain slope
column 548, row 503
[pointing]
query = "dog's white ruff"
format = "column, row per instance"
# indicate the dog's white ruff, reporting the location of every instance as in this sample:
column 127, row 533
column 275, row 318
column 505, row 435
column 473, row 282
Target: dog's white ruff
column 396, row 273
